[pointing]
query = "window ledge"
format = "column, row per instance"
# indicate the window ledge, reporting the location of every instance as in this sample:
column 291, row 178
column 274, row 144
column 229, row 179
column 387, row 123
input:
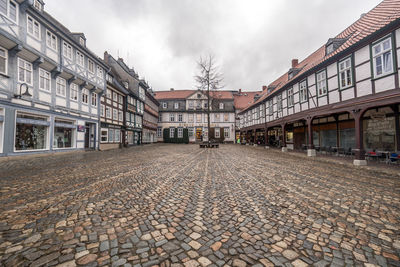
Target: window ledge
column 383, row 76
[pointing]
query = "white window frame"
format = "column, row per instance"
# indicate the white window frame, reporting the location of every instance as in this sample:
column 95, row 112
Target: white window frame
column 85, row 96
column 176, row 105
column 67, row 50
column 171, row 132
column 90, row 66
column 102, row 135
column 51, row 40
column 35, row 32
column 61, row 86
column 226, row 132
column 45, row 76
column 27, row 69
column 120, row 115
column 303, row 91
column 164, row 105
column 180, row 117
column 100, row 72
column 93, row 101
column 37, row 5
column 346, row 71
column 5, row 57
column 115, row 114
column 380, row 55
column 172, row 117
column 180, row 132
column 290, row 97
column 190, row 117
column 108, row 112
column 159, row 132
column 221, row 105
column 102, row 110
column 8, row 10
column 322, row 85
column 217, row 132
column 80, row 59
column 279, row 103
column 73, row 92
column 271, row 107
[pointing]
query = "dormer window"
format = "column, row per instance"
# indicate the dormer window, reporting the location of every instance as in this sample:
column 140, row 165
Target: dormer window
column 198, row 95
column 333, row 44
column 221, row 105
column 82, row 41
column 38, row 5
column 329, row 49
column 126, row 85
column 290, row 75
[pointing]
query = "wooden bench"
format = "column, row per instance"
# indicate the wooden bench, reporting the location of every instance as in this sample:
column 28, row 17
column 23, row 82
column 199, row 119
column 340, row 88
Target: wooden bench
column 211, row 145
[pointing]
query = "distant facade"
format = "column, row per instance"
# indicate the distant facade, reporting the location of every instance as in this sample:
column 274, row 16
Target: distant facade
column 50, row 83
column 135, row 99
column 112, row 110
column 180, row 109
column 150, row 118
column 343, row 97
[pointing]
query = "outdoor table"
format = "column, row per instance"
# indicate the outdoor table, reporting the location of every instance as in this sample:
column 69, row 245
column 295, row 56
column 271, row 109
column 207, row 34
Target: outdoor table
column 387, row 155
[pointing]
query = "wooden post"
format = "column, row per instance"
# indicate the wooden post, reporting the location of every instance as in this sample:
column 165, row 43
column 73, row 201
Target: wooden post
column 255, row 137
column 310, row 133
column 359, row 152
column 284, row 148
column 337, row 130
column 397, row 126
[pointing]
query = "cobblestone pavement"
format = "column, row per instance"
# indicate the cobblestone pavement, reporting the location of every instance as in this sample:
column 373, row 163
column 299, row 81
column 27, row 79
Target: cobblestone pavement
column 178, row 205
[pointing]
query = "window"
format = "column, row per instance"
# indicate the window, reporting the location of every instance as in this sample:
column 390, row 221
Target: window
column 198, row 117
column 321, row 83
column 216, row 117
column 117, row 136
column 24, row 71
column 279, row 102
column 126, row 85
column 120, row 116
column 9, row 9
column 60, row 86
column 270, row 107
column 171, row 132
column 44, row 80
column 3, row 60
column 345, row 74
column 290, row 97
column 81, row 41
column 64, row 132
column 102, row 110
column 67, row 50
column 226, row 117
column 104, row 135
column 108, row 112
column 90, row 66
column 110, row 135
column 198, row 104
column 160, row 117
column 191, row 132
column 191, row 104
column 73, row 92
column 329, row 49
column 176, row 105
column 180, row 132
column 94, row 100
column 190, row 118
column 221, row 105
column 115, row 96
column 171, row 117
column 226, row 132
column 303, row 91
column 51, row 40
column 100, row 72
column 164, row 105
column 159, row 132
column 120, row 99
column 37, row 5
column 115, row 114
column 180, row 117
column 109, row 78
column 85, row 96
column 382, row 57
column 108, row 93
column 31, row 132
column 80, row 59
column 217, row 133
column 33, row 27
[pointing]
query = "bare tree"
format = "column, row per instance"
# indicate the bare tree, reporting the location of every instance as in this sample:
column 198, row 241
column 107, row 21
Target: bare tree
column 209, row 79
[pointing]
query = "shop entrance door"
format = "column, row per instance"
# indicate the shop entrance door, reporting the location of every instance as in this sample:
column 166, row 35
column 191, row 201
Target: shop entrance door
column 90, row 133
column 199, row 133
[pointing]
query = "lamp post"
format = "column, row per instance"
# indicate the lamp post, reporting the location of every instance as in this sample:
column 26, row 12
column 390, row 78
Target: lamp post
column 26, row 93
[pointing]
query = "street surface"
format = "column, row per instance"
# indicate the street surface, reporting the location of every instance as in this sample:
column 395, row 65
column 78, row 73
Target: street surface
column 178, row 205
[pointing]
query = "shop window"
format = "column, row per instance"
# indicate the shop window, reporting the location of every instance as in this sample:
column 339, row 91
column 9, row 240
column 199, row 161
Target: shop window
column 379, row 133
column 217, row 133
column 104, row 135
column 117, row 136
column 31, row 132
column 110, row 135
column 171, row 132
column 191, row 132
column 64, row 132
column 347, row 138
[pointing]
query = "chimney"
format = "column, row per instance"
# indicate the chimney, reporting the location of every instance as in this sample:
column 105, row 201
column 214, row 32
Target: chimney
column 121, row 59
column 171, row 89
column 240, row 91
column 295, row 62
column 264, row 87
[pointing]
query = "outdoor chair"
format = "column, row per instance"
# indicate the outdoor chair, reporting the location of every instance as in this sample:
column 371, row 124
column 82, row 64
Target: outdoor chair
column 349, row 152
column 341, row 151
column 394, row 158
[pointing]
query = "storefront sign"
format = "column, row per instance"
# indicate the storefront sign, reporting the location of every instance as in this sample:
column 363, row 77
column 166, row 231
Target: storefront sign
column 81, row 128
column 64, row 125
column 35, row 122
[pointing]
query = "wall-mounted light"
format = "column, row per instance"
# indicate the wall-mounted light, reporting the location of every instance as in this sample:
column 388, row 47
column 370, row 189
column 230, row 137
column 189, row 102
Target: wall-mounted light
column 26, row 93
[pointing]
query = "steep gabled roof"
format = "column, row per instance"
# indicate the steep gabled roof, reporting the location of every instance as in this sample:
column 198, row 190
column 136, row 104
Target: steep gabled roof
column 386, row 12
column 183, row 94
column 244, row 99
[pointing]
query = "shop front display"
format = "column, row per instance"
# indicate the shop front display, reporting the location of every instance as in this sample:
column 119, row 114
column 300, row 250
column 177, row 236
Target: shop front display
column 31, row 132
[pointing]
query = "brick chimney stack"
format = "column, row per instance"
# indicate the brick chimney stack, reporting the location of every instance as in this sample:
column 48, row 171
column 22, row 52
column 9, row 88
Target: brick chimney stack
column 240, row 91
column 171, row 89
column 295, row 62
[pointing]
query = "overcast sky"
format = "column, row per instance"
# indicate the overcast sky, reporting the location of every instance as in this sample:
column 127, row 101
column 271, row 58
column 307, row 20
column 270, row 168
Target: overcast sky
column 253, row 41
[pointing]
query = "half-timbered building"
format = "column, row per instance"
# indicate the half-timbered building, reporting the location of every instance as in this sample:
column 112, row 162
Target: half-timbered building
column 50, row 83
column 150, row 118
column 345, row 96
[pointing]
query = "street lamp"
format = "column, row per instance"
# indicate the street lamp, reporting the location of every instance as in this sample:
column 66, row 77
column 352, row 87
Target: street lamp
column 26, row 93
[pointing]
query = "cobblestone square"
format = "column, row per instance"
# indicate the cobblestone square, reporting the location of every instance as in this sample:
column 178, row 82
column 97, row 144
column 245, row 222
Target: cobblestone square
column 178, row 205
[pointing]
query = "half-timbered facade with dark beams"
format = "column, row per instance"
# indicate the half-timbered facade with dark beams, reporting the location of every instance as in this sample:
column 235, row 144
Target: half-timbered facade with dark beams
column 150, row 118
column 50, row 83
column 344, row 96
column 112, row 112
column 135, row 99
